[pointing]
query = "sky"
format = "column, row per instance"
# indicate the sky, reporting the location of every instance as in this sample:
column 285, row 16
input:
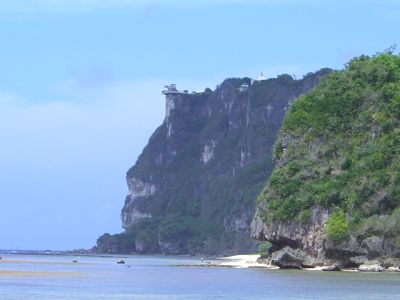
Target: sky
column 80, row 90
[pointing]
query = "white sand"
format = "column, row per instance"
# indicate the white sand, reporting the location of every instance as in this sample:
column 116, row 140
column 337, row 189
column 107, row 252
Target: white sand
column 313, row 269
column 245, row 261
column 250, row 261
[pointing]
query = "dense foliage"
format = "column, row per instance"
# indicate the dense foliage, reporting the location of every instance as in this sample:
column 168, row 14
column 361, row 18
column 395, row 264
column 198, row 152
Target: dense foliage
column 337, row 228
column 196, row 234
column 339, row 148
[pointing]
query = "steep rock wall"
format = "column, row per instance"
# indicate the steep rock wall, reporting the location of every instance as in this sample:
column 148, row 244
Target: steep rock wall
column 194, row 185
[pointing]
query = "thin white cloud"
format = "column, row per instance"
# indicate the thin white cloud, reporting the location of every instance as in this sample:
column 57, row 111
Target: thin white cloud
column 9, row 98
column 84, row 105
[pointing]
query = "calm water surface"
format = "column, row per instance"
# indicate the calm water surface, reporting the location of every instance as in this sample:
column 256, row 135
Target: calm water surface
column 150, row 277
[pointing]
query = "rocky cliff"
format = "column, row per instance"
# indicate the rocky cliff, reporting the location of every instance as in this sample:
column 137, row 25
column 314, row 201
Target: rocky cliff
column 334, row 194
column 193, row 189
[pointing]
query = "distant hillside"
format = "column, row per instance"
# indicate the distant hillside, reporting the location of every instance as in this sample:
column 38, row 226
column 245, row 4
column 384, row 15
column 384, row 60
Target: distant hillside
column 335, row 191
column 194, row 187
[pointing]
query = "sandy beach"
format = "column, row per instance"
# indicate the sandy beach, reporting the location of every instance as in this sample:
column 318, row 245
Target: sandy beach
column 245, row 261
column 250, row 261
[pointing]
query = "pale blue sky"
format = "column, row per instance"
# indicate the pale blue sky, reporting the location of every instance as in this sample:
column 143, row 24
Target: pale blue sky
column 80, row 86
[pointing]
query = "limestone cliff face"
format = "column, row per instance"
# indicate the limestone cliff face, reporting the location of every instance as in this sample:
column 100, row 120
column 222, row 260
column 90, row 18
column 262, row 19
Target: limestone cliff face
column 294, row 233
column 195, row 184
column 334, row 194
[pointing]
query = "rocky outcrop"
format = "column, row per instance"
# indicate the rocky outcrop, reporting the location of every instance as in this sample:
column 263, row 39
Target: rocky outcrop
column 373, row 246
column 332, row 268
column 371, row 268
column 348, row 248
column 334, row 192
column 138, row 190
column 287, row 258
column 309, row 237
column 196, row 182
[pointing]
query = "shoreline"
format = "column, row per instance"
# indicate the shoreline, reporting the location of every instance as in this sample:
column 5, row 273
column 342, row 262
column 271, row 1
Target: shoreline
column 240, row 261
column 243, row 261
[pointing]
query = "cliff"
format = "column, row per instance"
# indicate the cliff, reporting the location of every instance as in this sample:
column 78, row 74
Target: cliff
column 194, row 187
column 334, row 194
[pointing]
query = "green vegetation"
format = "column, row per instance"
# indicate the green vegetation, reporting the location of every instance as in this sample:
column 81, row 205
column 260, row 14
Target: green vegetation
column 337, row 228
column 304, row 216
column 263, row 247
column 387, row 225
column 339, row 148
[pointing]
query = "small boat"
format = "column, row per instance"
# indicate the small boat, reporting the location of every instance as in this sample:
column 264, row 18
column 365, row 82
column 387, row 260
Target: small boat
column 121, row 261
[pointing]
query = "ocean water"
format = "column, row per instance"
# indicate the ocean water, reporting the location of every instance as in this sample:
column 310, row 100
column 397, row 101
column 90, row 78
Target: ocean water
column 152, row 277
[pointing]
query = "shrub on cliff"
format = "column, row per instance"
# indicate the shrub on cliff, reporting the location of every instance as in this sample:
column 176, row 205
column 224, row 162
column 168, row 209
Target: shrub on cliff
column 337, row 228
column 339, row 147
column 263, row 247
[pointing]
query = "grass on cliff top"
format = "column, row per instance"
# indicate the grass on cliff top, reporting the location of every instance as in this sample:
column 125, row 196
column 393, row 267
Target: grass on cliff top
column 339, row 146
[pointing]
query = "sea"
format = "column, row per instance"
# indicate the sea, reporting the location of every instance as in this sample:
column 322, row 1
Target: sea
column 49, row 277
